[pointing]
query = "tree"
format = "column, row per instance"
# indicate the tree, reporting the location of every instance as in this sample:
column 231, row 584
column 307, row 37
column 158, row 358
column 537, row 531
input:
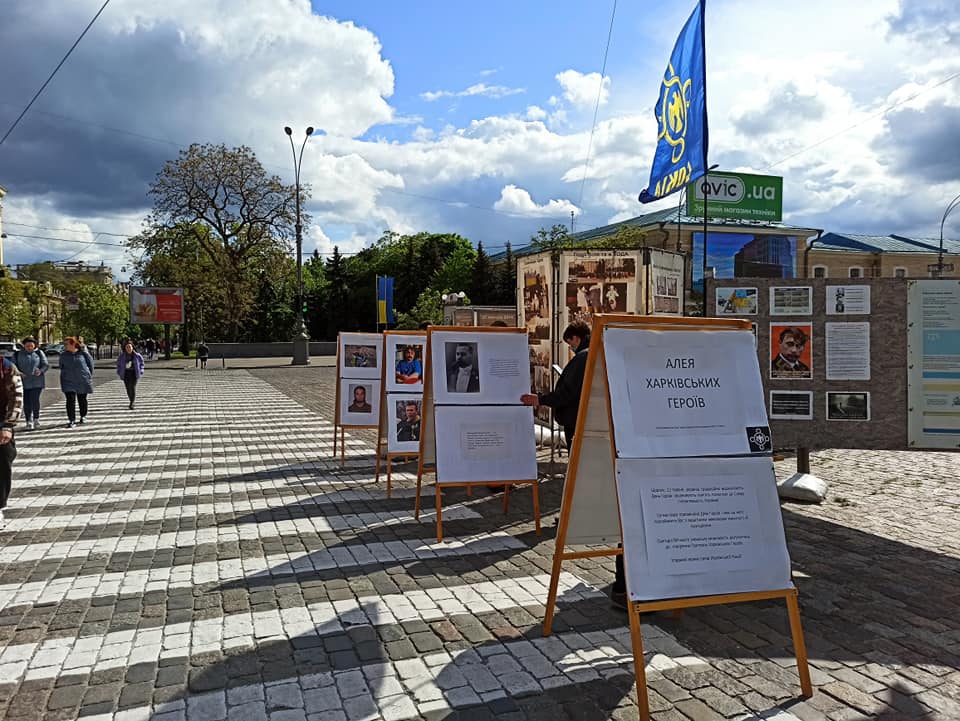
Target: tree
column 233, row 210
column 337, row 293
column 428, row 309
column 102, row 315
column 14, row 313
column 507, row 279
column 557, row 238
column 482, row 283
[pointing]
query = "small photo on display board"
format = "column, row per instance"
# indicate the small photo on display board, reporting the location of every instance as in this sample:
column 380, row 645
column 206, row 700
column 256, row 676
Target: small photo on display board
column 404, row 423
column 463, row 369
column 848, row 299
column 791, row 351
column 791, row 405
column 405, row 353
column 359, row 402
column 360, row 355
column 848, row 406
column 615, row 298
column 479, row 367
column 791, row 300
column 737, row 301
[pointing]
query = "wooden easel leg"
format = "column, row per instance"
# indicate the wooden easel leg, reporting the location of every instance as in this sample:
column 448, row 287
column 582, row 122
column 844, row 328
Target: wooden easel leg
column 389, row 472
column 506, row 498
column 469, row 491
column 416, row 503
column 439, row 514
column 377, row 479
column 536, row 505
column 552, row 593
column 335, row 429
column 639, row 665
column 799, row 645
column 343, row 450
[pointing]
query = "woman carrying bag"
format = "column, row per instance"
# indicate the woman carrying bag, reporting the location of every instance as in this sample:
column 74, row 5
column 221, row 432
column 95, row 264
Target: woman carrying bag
column 76, row 379
column 130, row 369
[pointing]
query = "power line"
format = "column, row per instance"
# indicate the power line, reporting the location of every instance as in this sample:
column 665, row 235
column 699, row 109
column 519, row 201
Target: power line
column 596, row 108
column 66, row 230
column 877, row 114
column 55, row 70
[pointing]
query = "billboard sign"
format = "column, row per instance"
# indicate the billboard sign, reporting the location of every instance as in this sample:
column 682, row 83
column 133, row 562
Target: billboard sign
column 156, row 305
column 738, row 196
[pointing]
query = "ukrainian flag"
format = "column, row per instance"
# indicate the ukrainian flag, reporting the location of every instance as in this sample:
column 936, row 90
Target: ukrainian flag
column 384, row 300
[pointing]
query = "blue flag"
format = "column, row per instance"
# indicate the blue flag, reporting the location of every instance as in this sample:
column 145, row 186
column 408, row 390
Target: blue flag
column 384, row 300
column 681, row 112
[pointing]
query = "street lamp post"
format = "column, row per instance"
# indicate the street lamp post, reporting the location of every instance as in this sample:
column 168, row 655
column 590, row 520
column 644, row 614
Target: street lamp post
column 301, row 338
column 950, row 208
column 704, row 185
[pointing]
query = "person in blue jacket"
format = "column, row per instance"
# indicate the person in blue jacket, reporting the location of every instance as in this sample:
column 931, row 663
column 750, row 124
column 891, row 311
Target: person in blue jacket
column 76, row 379
column 130, row 368
column 32, row 364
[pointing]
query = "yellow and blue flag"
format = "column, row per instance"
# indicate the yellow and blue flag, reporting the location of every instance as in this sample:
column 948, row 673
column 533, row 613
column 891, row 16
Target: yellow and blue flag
column 681, row 111
column 384, row 300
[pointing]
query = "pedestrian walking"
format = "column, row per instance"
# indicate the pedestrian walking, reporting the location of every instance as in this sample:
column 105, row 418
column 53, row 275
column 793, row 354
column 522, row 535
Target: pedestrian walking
column 32, row 364
column 76, row 379
column 565, row 401
column 11, row 408
column 203, row 353
column 130, row 368
column 150, row 346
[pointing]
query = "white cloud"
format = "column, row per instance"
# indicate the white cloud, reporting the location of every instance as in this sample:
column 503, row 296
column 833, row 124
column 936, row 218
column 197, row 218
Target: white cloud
column 535, row 112
column 518, row 202
column 478, row 89
column 581, row 90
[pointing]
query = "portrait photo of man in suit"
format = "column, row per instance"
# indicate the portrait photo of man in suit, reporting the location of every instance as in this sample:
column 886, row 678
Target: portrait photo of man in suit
column 463, row 374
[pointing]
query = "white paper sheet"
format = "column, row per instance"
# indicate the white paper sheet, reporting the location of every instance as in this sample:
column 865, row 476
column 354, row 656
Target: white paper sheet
column 360, row 355
column 400, row 367
column 684, row 393
column 356, row 408
column 485, row 443
column 701, row 526
column 478, row 368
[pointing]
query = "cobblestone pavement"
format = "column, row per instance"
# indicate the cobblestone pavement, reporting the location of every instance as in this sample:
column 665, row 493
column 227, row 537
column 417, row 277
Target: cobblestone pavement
column 205, row 558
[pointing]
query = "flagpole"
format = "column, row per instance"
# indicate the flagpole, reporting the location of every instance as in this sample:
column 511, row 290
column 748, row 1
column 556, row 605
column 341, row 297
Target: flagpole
column 376, row 294
column 706, row 148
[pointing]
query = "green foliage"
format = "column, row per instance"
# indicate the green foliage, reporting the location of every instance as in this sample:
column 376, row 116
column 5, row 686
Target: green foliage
column 220, row 204
column 482, row 282
column 557, row 238
column 15, row 320
column 428, row 309
column 627, row 237
column 102, row 316
column 506, row 281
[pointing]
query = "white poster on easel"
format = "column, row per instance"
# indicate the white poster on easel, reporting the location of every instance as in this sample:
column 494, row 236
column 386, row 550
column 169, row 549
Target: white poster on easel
column 676, row 393
column 479, row 368
column 488, row 443
column 697, row 526
column 360, row 355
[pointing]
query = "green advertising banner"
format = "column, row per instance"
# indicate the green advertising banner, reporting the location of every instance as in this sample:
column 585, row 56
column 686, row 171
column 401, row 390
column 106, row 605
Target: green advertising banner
column 739, row 196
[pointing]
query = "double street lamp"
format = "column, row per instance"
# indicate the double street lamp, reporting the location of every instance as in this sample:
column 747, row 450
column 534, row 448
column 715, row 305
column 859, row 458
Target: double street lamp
column 301, row 338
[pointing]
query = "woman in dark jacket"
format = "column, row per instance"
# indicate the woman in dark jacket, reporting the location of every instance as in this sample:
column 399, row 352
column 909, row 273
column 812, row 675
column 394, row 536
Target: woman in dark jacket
column 76, row 378
column 130, row 368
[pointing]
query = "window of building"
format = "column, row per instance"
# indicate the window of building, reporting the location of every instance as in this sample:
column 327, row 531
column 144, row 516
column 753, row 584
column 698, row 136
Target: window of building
column 856, row 271
column 899, row 272
column 819, row 271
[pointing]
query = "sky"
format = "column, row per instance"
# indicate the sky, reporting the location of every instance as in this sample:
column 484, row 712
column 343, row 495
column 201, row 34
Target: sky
column 471, row 118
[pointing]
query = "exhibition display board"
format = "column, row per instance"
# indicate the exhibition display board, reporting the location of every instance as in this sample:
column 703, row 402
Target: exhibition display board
column 401, row 398
column 834, row 358
column 359, row 372
column 474, row 430
column 554, row 288
column 933, row 391
column 672, row 457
